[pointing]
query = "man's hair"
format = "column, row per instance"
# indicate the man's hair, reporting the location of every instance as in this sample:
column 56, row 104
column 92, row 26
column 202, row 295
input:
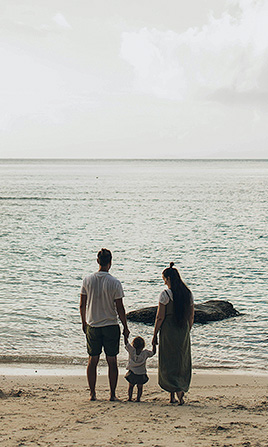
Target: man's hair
column 104, row 257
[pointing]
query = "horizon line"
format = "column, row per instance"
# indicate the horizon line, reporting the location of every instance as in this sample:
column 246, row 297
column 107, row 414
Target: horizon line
column 127, row 159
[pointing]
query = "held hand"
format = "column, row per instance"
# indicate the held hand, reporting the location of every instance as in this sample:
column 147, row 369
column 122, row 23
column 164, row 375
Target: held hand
column 84, row 327
column 126, row 335
column 154, row 340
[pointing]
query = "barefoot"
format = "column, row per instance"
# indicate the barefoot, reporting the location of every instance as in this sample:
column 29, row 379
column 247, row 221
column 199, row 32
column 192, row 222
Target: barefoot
column 180, row 395
column 114, row 399
column 129, row 399
column 172, row 398
column 93, row 396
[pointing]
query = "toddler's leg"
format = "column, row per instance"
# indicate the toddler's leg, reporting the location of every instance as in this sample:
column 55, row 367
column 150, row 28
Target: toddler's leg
column 139, row 393
column 130, row 391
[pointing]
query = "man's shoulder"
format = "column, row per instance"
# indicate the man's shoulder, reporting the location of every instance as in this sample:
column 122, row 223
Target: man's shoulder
column 89, row 275
column 88, row 278
column 112, row 279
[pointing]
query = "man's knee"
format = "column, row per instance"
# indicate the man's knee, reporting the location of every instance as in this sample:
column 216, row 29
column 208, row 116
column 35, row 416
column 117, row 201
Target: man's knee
column 93, row 360
column 112, row 361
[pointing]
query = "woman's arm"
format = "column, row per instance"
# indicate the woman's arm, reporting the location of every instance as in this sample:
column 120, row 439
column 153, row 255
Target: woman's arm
column 191, row 319
column 160, row 316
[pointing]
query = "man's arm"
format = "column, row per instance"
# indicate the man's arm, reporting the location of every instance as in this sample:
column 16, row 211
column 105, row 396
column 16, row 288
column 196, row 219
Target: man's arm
column 83, row 301
column 122, row 315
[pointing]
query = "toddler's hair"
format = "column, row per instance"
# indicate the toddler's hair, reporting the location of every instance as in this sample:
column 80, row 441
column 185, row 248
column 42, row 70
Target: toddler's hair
column 138, row 343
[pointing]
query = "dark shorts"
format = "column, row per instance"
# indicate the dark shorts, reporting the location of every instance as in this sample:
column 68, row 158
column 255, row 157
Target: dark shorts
column 136, row 379
column 106, row 336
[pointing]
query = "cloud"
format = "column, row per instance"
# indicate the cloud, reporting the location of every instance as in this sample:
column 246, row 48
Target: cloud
column 61, row 21
column 229, row 53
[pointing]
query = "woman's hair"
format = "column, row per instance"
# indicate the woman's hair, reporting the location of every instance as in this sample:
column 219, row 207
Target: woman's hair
column 181, row 294
column 104, row 257
column 138, row 343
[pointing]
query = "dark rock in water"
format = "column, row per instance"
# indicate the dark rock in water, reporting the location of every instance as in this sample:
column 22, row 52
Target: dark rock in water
column 145, row 315
column 213, row 310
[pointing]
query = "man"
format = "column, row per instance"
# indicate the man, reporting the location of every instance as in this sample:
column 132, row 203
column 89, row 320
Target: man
column 101, row 303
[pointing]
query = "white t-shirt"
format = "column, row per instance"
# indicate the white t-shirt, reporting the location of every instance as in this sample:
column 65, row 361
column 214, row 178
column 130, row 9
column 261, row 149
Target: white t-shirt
column 166, row 295
column 102, row 289
column 137, row 363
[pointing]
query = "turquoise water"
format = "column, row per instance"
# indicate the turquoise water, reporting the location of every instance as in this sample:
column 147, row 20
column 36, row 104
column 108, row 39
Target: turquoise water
column 209, row 217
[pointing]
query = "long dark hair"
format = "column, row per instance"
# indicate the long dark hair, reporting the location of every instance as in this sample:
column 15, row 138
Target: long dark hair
column 181, row 295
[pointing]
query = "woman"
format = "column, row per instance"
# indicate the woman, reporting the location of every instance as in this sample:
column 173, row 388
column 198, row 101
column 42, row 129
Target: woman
column 174, row 319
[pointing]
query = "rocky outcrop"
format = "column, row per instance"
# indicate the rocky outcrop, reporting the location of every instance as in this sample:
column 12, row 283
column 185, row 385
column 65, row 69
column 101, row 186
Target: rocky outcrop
column 212, row 310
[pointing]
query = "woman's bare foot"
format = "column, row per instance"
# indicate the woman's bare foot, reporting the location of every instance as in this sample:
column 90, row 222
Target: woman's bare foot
column 172, row 399
column 180, row 395
column 93, row 396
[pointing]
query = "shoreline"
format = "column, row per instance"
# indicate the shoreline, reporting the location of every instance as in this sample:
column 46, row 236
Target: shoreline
column 220, row 410
column 32, row 369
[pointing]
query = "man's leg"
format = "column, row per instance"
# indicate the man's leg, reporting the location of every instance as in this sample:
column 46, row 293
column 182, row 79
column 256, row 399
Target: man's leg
column 92, row 374
column 113, row 374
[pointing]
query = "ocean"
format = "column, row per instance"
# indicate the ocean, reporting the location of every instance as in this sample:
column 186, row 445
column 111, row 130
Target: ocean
column 210, row 217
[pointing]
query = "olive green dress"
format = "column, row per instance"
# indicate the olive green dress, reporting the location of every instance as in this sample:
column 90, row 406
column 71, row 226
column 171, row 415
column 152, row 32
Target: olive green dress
column 175, row 365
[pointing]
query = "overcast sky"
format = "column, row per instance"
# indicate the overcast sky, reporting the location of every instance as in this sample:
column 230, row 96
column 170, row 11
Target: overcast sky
column 134, row 78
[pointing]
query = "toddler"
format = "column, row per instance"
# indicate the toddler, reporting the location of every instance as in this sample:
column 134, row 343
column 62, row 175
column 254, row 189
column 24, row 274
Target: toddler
column 137, row 374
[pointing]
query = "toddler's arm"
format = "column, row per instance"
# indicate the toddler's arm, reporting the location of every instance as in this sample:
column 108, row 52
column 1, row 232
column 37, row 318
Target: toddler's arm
column 129, row 348
column 152, row 352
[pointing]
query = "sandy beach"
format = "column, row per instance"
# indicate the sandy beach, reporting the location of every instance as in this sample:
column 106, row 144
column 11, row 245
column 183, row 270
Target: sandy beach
column 221, row 409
